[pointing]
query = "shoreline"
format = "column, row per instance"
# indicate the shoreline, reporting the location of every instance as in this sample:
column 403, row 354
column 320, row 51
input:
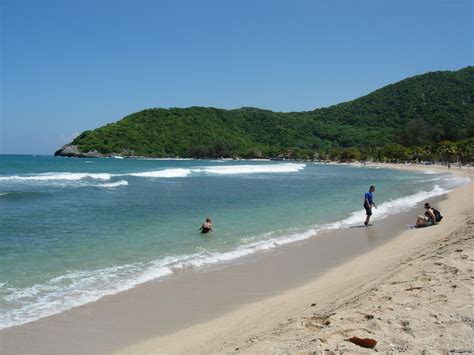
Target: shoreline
column 352, row 298
column 100, row 313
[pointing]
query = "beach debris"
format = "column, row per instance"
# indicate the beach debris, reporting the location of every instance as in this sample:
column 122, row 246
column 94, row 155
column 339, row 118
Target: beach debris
column 458, row 250
column 406, row 326
column 414, row 288
column 313, row 304
column 363, row 342
column 369, row 316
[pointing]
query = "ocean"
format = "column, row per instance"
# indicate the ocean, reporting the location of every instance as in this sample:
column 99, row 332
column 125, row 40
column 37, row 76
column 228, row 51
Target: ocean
column 74, row 230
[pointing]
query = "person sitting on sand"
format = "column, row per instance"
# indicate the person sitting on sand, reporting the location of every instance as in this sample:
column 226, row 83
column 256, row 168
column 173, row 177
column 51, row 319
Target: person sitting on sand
column 428, row 219
column 207, row 226
column 368, row 203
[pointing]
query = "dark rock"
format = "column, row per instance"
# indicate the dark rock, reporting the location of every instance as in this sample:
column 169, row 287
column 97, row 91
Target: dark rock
column 70, row 150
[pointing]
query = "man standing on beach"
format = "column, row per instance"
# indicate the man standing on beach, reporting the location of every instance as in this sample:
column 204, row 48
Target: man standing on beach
column 368, row 203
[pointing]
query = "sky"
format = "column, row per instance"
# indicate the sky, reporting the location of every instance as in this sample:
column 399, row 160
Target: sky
column 69, row 65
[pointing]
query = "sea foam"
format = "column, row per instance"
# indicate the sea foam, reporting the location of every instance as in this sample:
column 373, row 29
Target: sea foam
column 165, row 173
column 113, row 184
column 251, row 169
column 64, row 176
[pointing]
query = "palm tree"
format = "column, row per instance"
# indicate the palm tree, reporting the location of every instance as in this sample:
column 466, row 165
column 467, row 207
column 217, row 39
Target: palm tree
column 433, row 151
column 447, row 150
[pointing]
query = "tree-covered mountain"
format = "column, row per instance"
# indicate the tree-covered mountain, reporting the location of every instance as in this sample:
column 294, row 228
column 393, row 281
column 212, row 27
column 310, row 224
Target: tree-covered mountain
column 416, row 111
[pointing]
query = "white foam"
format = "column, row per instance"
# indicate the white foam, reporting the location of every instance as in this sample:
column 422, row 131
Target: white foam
column 113, row 184
column 251, row 169
column 58, row 176
column 166, row 173
column 74, row 289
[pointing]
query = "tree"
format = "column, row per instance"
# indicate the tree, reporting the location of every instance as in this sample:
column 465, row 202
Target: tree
column 395, row 152
column 447, row 150
column 349, row 154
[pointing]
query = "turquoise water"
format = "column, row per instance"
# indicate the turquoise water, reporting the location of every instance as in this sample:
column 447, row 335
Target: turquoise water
column 74, row 230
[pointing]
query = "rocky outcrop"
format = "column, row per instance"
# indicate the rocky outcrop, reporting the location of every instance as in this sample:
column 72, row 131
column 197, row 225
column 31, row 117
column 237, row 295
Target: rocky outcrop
column 70, row 150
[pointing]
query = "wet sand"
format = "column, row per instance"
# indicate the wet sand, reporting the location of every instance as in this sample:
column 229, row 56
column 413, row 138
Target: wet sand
column 212, row 309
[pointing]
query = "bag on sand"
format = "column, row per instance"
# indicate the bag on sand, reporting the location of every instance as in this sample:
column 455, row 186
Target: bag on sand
column 438, row 215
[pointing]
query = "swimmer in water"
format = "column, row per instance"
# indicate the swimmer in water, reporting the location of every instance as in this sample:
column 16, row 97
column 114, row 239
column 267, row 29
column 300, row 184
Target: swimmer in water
column 207, row 226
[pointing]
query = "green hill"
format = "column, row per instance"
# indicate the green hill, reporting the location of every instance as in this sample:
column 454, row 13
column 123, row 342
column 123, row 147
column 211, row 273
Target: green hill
column 422, row 109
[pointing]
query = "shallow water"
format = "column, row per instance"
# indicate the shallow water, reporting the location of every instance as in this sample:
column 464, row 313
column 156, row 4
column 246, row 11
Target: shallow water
column 73, row 230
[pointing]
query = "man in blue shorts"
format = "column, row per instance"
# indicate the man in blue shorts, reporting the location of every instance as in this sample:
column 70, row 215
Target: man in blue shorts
column 369, row 203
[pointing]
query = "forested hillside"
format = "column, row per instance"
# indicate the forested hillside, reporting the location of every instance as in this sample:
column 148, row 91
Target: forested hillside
column 417, row 111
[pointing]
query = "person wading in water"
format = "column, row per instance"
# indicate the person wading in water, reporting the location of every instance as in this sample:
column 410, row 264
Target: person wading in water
column 369, row 203
column 207, row 226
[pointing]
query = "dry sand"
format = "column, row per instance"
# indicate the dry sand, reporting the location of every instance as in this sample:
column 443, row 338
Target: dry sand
column 412, row 293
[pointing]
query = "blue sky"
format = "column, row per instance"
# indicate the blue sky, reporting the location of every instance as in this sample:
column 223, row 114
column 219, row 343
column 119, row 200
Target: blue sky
column 69, row 65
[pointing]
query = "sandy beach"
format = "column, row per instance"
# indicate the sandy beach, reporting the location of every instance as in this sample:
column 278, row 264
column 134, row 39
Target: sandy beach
column 413, row 293
column 408, row 289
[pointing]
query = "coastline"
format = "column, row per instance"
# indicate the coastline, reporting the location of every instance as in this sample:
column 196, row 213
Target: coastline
column 323, row 313
column 138, row 307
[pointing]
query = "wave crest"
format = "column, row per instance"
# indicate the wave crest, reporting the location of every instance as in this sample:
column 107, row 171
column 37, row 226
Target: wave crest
column 58, row 176
column 113, row 184
column 251, row 169
column 166, row 173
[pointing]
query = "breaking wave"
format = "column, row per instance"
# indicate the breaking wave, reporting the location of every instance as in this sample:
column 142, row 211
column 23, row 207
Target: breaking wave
column 165, row 173
column 113, row 184
column 57, row 177
column 251, row 169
